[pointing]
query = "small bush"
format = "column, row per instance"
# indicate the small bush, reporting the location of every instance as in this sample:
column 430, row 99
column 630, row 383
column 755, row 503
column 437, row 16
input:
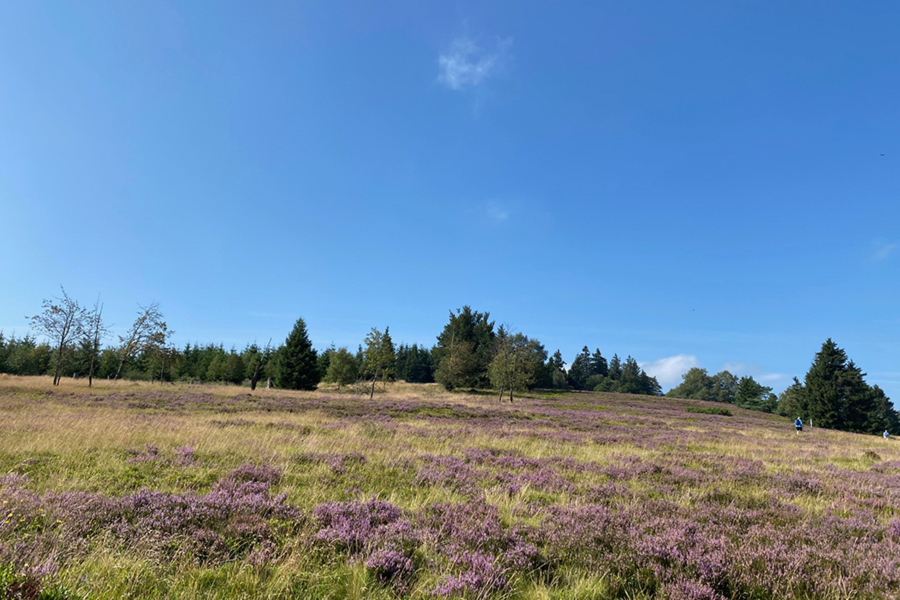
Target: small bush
column 709, row 410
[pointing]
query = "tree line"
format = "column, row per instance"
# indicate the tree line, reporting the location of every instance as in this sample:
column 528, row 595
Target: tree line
column 833, row 395
column 471, row 352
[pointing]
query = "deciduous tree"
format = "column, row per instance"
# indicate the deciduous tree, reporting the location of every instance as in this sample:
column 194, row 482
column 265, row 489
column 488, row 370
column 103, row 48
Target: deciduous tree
column 378, row 357
column 62, row 321
column 148, row 331
column 342, row 368
column 92, row 334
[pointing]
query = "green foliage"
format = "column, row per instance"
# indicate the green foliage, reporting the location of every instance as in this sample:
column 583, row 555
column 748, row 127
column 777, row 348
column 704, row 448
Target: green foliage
column 234, row 368
column 464, row 350
column 296, row 365
column 342, row 367
column 792, row 401
column 414, row 364
column 556, row 373
column 838, row 396
column 323, row 360
column 24, row 356
column 16, row 585
column 516, row 363
column 752, row 395
column 591, row 372
column 697, row 384
column 379, row 357
column 709, row 410
column 580, row 370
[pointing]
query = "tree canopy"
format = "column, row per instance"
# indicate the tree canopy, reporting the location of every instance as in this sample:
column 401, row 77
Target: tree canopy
column 296, row 367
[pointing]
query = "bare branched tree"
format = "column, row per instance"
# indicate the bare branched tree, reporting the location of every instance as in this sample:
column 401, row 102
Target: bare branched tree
column 62, row 321
column 149, row 332
column 93, row 332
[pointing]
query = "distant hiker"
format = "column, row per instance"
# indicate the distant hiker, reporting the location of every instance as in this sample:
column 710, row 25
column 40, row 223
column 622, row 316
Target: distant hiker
column 798, row 424
column 886, row 434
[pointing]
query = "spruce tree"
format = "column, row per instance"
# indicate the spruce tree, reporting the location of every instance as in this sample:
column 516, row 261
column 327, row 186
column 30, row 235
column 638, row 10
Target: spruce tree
column 297, row 366
column 599, row 365
column 837, row 395
column 825, row 395
column 615, row 368
column 464, row 350
column 580, row 370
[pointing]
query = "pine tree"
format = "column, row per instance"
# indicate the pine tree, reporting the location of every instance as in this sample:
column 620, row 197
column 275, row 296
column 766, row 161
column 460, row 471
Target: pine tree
column 615, row 368
column 464, row 350
column 792, row 401
column 297, row 367
column 598, row 364
column 837, row 394
column 580, row 370
column 234, row 368
column 883, row 416
column 752, row 395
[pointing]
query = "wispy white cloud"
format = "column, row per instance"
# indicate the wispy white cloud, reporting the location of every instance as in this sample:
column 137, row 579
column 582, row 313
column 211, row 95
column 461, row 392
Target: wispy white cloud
column 497, row 213
column 668, row 371
column 882, row 250
column 465, row 64
column 742, row 368
column 754, row 370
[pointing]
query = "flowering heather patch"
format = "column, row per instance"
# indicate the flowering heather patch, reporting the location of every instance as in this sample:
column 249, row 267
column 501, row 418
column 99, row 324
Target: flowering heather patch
column 233, row 518
column 351, row 525
column 455, row 497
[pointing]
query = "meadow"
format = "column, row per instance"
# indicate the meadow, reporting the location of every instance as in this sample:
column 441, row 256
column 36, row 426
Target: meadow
column 132, row 490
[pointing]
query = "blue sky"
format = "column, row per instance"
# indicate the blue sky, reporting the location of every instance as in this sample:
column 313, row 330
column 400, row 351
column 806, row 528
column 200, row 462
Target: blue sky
column 691, row 183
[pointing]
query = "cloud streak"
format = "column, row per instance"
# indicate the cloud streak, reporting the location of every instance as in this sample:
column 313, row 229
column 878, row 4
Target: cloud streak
column 465, row 64
column 668, row 371
column 883, row 250
column 497, row 214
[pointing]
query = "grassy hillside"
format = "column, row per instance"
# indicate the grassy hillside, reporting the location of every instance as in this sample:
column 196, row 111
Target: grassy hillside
column 137, row 491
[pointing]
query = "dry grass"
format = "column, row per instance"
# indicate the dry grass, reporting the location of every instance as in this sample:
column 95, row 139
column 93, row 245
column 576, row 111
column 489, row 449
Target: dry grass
column 75, row 438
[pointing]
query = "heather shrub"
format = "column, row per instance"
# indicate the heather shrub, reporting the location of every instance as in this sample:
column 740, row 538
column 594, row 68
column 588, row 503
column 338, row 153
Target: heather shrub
column 709, row 410
column 352, row 526
column 547, row 499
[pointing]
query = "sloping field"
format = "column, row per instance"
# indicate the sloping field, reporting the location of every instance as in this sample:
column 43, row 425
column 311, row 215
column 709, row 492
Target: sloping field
column 133, row 491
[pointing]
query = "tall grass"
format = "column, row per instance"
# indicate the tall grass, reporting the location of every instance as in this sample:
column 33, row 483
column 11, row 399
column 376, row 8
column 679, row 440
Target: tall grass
column 138, row 490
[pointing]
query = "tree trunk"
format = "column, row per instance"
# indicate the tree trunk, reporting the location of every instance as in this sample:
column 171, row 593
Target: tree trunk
column 374, row 379
column 500, row 399
column 56, row 376
column 119, row 370
column 91, row 371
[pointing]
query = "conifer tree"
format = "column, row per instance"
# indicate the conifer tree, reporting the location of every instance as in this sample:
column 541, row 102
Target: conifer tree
column 296, row 367
column 837, row 394
column 557, row 368
column 615, row 368
column 464, row 350
column 598, row 364
column 752, row 395
column 580, row 370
